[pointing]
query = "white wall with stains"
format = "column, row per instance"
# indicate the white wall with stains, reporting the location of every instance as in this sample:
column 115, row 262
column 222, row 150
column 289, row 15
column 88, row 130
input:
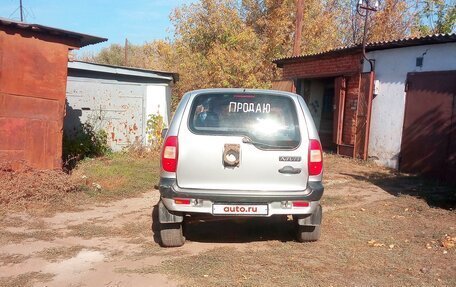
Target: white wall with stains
column 391, row 68
column 158, row 101
column 117, row 100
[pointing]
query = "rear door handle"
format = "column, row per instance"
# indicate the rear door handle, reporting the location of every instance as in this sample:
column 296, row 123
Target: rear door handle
column 289, row 170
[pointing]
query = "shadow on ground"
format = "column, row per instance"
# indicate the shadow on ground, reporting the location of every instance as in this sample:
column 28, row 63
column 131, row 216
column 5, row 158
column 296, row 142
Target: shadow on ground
column 239, row 230
column 436, row 193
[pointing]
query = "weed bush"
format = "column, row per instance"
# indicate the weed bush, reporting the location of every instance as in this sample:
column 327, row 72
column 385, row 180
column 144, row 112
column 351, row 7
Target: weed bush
column 154, row 127
column 86, row 142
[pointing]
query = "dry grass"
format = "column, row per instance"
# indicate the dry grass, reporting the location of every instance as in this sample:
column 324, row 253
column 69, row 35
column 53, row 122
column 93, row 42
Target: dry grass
column 338, row 200
column 103, row 179
column 8, row 237
column 25, row 186
column 138, row 231
column 55, row 254
column 6, row 258
column 25, row 280
column 144, row 270
column 396, row 242
column 89, row 230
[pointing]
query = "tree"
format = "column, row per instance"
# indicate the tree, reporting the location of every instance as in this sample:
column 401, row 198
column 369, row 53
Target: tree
column 215, row 47
column 394, row 19
column 232, row 43
column 438, row 17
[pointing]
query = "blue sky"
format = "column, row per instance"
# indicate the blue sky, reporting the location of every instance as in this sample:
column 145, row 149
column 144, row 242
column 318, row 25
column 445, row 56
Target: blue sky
column 137, row 20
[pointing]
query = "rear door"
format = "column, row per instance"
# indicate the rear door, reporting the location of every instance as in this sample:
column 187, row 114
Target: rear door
column 243, row 141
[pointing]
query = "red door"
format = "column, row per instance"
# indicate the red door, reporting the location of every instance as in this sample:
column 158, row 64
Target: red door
column 363, row 114
column 338, row 109
column 428, row 139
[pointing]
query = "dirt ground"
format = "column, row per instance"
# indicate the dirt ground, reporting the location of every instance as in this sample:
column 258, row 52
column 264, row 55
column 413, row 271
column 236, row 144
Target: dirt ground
column 379, row 229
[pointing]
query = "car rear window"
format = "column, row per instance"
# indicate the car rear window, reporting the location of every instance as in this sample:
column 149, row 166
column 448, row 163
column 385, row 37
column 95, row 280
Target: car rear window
column 269, row 121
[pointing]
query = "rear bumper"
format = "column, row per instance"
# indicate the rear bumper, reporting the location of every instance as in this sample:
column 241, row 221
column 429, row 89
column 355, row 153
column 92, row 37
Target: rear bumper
column 278, row 202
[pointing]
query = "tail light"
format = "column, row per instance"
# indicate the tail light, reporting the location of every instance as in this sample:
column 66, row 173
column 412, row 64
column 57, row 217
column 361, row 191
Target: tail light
column 315, row 157
column 170, row 154
column 184, row 201
column 301, row 204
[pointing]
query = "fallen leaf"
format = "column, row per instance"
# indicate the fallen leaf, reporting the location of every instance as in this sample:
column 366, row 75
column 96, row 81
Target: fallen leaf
column 448, row 241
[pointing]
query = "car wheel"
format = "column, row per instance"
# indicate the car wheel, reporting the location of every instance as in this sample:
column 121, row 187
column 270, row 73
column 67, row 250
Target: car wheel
column 171, row 235
column 308, row 233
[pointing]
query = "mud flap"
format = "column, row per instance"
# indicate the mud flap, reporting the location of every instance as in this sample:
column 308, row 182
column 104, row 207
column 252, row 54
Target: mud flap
column 166, row 216
column 313, row 219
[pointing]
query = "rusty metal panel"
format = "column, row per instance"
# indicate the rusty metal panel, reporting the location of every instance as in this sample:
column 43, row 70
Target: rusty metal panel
column 338, row 108
column 32, row 67
column 32, row 97
column 428, row 136
column 117, row 107
column 363, row 113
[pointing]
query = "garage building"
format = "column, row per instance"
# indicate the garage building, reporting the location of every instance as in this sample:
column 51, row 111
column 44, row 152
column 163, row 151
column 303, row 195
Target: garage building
column 402, row 113
column 116, row 99
column 33, row 77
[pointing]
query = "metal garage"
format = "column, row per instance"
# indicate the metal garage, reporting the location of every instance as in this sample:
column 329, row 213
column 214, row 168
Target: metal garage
column 116, row 99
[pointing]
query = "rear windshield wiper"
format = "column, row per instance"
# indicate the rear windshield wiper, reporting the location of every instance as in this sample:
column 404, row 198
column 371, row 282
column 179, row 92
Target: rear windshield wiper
column 248, row 140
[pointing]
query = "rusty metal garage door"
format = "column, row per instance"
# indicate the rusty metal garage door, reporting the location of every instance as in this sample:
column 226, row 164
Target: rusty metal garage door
column 429, row 135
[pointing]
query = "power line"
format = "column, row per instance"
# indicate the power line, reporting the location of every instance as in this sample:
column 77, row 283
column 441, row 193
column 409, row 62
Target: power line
column 22, row 12
column 13, row 12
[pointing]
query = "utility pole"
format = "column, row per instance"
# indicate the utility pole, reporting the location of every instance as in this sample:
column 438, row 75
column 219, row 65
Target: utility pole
column 126, row 52
column 367, row 6
column 20, row 8
column 298, row 27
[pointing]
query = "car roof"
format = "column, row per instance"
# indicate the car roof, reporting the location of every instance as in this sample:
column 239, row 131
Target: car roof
column 241, row 90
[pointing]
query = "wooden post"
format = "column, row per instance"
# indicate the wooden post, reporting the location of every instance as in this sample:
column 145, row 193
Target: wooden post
column 126, row 52
column 298, row 27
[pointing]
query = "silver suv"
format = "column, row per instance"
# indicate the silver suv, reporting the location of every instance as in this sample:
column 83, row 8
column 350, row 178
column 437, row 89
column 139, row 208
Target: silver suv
column 239, row 152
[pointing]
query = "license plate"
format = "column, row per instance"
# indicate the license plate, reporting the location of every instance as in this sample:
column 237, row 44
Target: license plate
column 240, row 209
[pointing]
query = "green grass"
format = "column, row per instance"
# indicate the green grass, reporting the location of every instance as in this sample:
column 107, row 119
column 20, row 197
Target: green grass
column 118, row 175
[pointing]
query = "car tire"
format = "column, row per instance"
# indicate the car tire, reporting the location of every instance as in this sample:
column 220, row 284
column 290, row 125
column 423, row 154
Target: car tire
column 171, row 235
column 308, row 233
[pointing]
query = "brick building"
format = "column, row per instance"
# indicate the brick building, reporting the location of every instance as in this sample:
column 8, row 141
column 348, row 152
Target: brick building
column 401, row 114
column 330, row 84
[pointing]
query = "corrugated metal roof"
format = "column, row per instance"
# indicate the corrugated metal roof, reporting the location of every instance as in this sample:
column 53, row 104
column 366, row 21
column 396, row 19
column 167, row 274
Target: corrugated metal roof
column 121, row 70
column 381, row 45
column 84, row 39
